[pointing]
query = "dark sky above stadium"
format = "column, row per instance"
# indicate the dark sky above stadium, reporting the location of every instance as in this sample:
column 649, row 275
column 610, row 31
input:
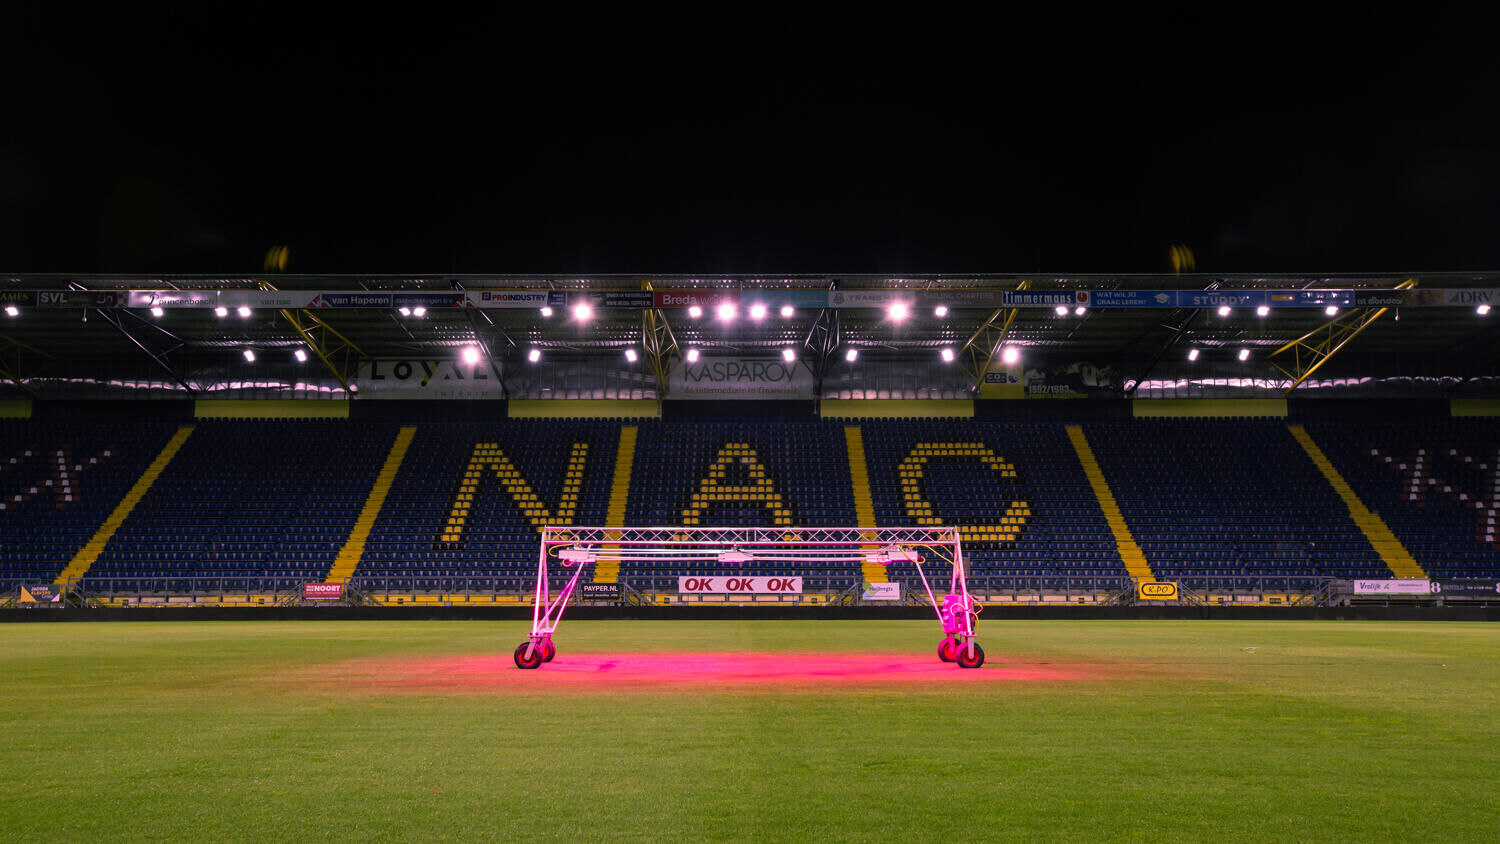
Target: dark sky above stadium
column 749, row 139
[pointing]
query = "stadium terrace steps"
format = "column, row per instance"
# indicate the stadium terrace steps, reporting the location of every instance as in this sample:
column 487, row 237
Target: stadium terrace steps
column 608, row 571
column 353, row 551
column 1130, row 553
column 1385, row 543
column 864, row 503
column 89, row 554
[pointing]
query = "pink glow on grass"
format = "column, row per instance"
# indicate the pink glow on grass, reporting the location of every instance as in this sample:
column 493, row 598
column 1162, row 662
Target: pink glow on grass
column 584, row 673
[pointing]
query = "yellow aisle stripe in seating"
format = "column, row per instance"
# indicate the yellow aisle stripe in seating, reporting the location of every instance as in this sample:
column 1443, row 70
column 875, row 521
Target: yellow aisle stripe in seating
column 95, row 546
column 608, row 571
column 864, row 503
column 1130, row 553
column 348, row 558
column 1380, row 537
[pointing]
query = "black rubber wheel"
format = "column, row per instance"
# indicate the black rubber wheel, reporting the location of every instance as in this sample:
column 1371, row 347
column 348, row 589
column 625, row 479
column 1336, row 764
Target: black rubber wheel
column 965, row 660
column 948, row 650
column 533, row 661
column 549, row 651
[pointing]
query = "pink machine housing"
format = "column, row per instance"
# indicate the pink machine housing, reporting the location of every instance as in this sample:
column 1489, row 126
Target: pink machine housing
column 577, row 547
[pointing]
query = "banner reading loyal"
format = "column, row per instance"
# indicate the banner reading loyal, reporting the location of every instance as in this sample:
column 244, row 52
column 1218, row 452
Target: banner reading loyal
column 740, row 378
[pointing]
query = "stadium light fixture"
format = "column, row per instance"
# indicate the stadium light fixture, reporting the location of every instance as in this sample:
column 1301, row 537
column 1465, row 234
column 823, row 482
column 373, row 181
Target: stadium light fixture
column 12, row 310
column 300, row 355
column 583, row 312
column 471, row 355
column 789, row 354
column 221, row 312
column 578, row 554
column 695, row 311
column 787, row 311
column 1080, row 311
column 1010, row 355
column 534, row 355
column 692, row 355
column 725, row 311
column 1263, row 311
column 851, row 355
column 1244, row 354
column 546, row 310
column 404, row 311
column 897, row 311
column 1223, row 310
column 734, row 555
column 1060, row 310
column 243, row 311
column 250, row 355
column 156, row 311
column 419, row 311
column 1192, row 354
column 940, row 311
column 757, row 312
column 1331, row 310
column 1482, row 310
column 947, row 355
column 630, row 355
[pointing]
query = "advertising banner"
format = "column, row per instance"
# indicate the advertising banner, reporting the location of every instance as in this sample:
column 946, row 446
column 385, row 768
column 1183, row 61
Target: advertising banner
column 1157, row 591
column 352, row 300
column 323, row 591
column 1075, row 380
column 870, row 298
column 267, row 298
column 1486, row 589
column 1219, row 298
column 173, row 299
column 774, row 299
column 444, row 378
column 630, row 299
column 1392, row 587
column 516, row 298
column 21, row 298
column 455, row 299
column 40, row 593
column 737, row 585
column 81, row 298
column 880, row 592
column 1472, row 297
column 1043, row 298
column 1134, row 298
column 740, row 378
column 600, row 591
column 705, row 299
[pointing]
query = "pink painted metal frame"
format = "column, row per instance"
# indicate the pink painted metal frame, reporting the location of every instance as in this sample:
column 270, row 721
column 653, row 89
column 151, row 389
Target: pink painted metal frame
column 957, row 611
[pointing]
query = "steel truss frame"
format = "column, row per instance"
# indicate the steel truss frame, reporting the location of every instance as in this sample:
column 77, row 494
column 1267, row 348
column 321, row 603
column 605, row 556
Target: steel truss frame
column 574, row 547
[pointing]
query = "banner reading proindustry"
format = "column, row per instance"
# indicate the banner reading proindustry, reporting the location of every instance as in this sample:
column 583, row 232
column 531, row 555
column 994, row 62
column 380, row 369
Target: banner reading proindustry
column 741, row 378
column 427, row 379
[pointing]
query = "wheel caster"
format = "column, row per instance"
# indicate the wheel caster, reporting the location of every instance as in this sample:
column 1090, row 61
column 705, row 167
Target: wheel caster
column 948, row 650
column 532, row 661
column 968, row 660
column 549, row 651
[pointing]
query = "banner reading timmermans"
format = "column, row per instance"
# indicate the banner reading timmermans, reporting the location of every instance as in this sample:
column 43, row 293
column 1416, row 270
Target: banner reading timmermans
column 740, row 378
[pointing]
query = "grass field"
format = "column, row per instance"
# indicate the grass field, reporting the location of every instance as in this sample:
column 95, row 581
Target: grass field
column 750, row 730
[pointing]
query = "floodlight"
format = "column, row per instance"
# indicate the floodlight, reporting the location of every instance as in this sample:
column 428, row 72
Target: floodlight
column 1263, row 310
column 1011, row 354
column 695, row 311
column 1482, row 310
column 1080, row 311
column 1192, row 354
column 404, row 311
column 300, row 355
column 726, row 311
column 221, row 312
column 851, row 355
column 1060, row 310
column 789, row 354
column 630, row 355
column 897, row 311
column 1331, row 310
column 12, row 310
column 534, row 355
column 1244, row 354
column 471, row 355
column 546, row 310
column 1223, row 310
column 243, row 311
column 787, row 310
column 757, row 312
column 156, row 311
column 940, row 311
column 419, row 311
column 947, row 356
column 250, row 355
column 692, row 355
column 583, row 311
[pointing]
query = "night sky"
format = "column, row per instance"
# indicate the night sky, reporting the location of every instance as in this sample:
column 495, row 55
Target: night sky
column 750, row 140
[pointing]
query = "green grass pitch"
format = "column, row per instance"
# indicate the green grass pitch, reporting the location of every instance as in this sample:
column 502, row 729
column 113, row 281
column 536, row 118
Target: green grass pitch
column 750, row 730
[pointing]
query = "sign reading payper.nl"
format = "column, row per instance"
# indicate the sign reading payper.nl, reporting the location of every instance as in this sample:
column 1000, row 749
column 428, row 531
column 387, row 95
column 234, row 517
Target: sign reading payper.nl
column 734, row 585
